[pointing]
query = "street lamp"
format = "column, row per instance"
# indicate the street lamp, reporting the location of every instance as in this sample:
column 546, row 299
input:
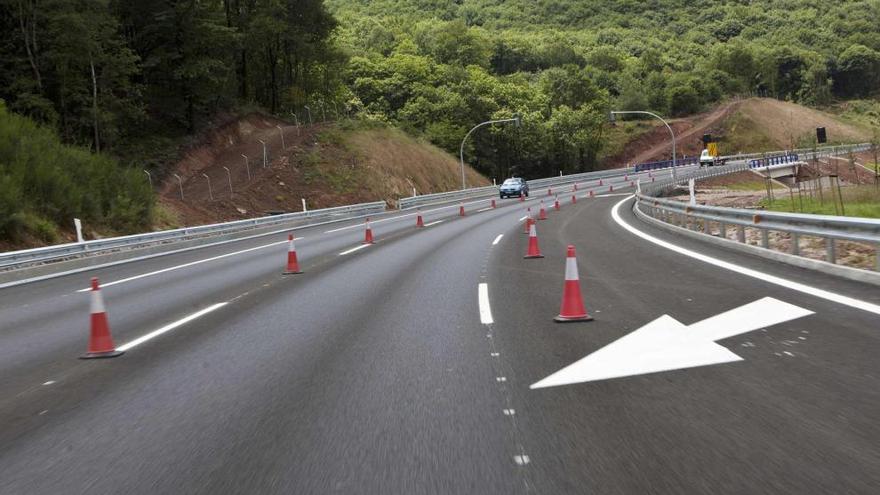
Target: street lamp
column 265, row 158
column 517, row 120
column 247, row 166
column 640, row 112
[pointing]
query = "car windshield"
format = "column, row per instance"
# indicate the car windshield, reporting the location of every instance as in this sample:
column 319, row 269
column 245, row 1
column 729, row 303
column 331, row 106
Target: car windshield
column 511, row 182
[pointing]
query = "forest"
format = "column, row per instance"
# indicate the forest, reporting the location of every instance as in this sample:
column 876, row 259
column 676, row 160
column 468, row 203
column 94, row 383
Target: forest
column 129, row 78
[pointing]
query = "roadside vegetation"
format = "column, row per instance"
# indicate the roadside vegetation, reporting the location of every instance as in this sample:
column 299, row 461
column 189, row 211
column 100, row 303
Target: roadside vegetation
column 44, row 184
column 858, row 201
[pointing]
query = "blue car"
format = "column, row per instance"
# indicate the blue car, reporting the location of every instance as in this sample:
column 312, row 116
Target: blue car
column 513, row 188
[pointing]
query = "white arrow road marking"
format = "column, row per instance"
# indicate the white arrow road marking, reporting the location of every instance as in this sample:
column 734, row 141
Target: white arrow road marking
column 666, row 344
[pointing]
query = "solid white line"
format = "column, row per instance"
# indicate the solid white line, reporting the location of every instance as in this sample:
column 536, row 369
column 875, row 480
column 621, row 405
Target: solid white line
column 485, row 209
column 497, row 239
column 187, row 265
column 788, row 284
column 485, row 310
column 523, row 218
column 169, row 327
column 433, row 223
column 354, row 249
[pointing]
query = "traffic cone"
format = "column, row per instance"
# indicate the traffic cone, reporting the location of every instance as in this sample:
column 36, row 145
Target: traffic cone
column 549, row 191
column 632, row 183
column 534, row 251
column 529, row 221
column 572, row 308
column 625, row 177
column 100, row 341
column 652, row 179
column 574, row 199
column 556, row 204
column 493, row 203
column 419, row 222
column 521, row 197
column 575, row 187
column 368, row 233
column 292, row 264
column 591, row 193
column 542, row 213
column 461, row 209
column 611, row 188
column 600, row 182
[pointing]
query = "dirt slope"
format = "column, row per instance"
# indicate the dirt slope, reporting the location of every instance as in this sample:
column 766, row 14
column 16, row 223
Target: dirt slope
column 325, row 164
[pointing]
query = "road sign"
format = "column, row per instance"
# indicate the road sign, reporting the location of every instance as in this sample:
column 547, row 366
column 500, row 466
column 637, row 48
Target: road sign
column 666, row 344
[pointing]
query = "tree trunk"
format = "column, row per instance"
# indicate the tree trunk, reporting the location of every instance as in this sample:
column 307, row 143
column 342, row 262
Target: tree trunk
column 30, row 39
column 95, row 103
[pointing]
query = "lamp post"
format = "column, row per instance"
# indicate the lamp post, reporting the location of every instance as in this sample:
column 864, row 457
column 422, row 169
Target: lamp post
column 641, row 112
column 265, row 157
column 517, row 120
column 281, row 131
column 247, row 166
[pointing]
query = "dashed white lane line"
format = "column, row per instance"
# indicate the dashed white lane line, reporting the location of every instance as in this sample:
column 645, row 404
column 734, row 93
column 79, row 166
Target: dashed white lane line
column 169, row 327
column 187, row 265
column 398, row 217
column 358, row 248
column 435, row 222
column 50, row 382
column 772, row 279
column 497, row 239
column 484, row 209
column 523, row 218
column 485, row 309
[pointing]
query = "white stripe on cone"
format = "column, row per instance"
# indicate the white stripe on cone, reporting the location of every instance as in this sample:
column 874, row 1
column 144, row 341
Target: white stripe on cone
column 97, row 303
column 571, row 269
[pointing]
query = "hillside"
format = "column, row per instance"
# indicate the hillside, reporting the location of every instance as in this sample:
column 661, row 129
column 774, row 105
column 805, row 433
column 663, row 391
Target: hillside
column 325, row 164
column 741, row 126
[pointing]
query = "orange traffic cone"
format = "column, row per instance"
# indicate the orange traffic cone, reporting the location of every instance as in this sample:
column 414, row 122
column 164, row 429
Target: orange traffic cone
column 461, row 209
column 600, row 182
column 572, row 308
column 575, row 187
column 591, row 193
column 521, row 197
column 632, row 183
column 292, row 263
column 556, row 204
column 368, row 233
column 625, row 177
column 493, row 203
column 419, row 222
column 611, row 188
column 542, row 213
column 534, row 251
column 574, row 199
column 100, row 341
column 529, row 221
column 549, row 191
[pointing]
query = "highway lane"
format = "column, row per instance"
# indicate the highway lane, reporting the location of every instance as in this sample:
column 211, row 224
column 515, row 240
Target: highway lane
column 797, row 415
column 371, row 375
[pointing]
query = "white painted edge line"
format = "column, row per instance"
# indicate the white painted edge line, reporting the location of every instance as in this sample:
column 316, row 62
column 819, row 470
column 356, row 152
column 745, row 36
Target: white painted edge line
column 435, row 222
column 358, row 248
column 169, row 327
column 187, row 265
column 497, row 239
column 485, row 310
column 772, row 279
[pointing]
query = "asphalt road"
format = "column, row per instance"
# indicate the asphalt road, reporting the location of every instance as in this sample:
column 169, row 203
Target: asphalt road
column 373, row 371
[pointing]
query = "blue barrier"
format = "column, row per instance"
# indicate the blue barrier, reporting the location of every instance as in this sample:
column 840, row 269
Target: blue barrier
column 666, row 164
column 773, row 160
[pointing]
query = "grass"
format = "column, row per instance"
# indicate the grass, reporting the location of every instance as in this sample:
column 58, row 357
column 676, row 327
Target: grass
column 858, row 201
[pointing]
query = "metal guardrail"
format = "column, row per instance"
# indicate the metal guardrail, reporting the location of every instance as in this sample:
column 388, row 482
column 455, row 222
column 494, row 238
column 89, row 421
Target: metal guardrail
column 716, row 220
column 16, row 258
column 426, row 199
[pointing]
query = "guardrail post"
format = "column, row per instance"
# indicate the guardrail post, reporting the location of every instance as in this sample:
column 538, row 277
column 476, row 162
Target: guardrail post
column 722, row 227
column 741, row 234
column 877, row 258
column 795, row 244
column 765, row 238
column 831, row 250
